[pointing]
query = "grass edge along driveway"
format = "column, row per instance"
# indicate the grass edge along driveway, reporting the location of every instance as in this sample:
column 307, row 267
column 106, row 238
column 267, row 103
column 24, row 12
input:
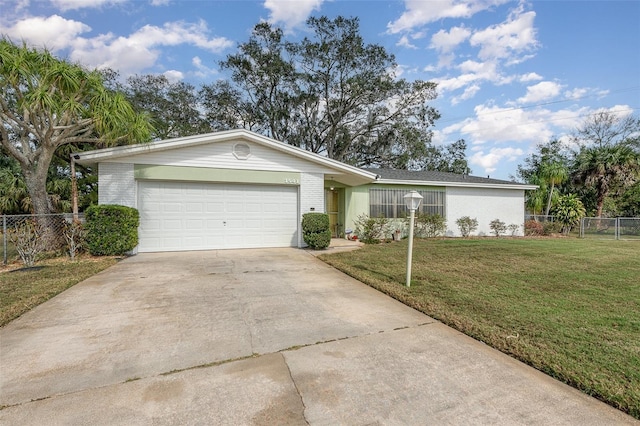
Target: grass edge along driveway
column 23, row 289
column 568, row 307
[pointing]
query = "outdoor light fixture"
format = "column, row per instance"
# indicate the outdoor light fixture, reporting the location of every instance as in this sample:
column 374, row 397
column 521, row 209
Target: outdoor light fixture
column 412, row 200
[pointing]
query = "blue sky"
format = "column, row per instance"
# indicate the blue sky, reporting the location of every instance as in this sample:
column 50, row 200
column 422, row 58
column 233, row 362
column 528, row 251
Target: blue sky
column 510, row 74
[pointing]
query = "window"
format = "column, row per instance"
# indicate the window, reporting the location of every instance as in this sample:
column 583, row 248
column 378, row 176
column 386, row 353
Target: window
column 390, row 202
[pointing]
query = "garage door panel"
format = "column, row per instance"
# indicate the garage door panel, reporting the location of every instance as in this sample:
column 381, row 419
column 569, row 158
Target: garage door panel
column 202, row 216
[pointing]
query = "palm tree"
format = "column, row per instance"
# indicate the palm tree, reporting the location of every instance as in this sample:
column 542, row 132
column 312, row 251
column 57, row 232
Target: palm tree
column 606, row 168
column 535, row 199
column 48, row 103
column 554, row 173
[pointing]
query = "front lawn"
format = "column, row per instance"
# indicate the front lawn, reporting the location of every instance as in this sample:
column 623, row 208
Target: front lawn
column 23, row 289
column 568, row 307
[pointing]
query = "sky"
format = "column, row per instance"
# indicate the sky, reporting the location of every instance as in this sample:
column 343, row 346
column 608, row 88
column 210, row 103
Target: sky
column 510, row 74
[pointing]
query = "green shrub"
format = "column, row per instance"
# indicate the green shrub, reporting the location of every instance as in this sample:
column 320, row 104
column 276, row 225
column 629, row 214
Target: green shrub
column 430, row 225
column 112, row 230
column 370, row 230
column 467, row 225
column 315, row 230
column 568, row 211
column 498, row 227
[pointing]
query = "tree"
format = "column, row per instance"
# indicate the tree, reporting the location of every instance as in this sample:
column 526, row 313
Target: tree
column 172, row 107
column 605, row 128
column 447, row 158
column 554, row 173
column 607, row 168
column 329, row 93
column 47, row 103
column 630, row 201
column 547, row 168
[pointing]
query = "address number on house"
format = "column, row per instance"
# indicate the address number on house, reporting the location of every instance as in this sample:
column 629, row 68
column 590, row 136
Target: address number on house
column 290, row 180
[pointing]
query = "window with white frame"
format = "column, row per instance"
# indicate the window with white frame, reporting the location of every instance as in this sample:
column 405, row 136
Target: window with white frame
column 390, row 203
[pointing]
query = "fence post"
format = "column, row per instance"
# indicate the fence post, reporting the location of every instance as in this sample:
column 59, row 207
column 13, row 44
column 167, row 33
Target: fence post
column 582, row 227
column 617, row 228
column 4, row 239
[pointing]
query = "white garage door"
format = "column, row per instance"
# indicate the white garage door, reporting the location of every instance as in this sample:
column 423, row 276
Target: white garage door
column 202, row 216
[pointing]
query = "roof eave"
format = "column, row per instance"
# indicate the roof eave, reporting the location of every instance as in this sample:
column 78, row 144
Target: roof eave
column 457, row 184
column 92, row 157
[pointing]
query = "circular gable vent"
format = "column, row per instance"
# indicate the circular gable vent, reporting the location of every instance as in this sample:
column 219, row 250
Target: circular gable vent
column 242, row 151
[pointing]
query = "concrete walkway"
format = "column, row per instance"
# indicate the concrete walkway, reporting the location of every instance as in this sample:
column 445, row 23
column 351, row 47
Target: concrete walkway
column 259, row 337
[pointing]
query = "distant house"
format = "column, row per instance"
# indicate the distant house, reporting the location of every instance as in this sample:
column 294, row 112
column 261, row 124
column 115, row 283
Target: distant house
column 238, row 189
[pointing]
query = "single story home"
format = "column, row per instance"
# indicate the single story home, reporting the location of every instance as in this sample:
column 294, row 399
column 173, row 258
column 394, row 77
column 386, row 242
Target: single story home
column 239, row 189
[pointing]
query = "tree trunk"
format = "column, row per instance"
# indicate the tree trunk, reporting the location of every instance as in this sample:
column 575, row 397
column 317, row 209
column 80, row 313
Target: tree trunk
column 549, row 201
column 35, row 178
column 37, row 187
column 599, row 206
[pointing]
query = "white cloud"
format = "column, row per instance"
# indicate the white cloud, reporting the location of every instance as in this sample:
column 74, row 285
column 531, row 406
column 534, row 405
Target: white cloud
column 472, row 72
column 455, row 83
column 420, row 12
column 84, row 4
column 160, row 2
column 488, row 161
column 174, row 76
column 53, row 32
column 504, row 41
column 202, row 70
column 447, row 41
column 583, row 92
column 541, row 92
column 468, row 93
column 532, row 76
column 404, row 42
column 140, row 50
column 291, row 13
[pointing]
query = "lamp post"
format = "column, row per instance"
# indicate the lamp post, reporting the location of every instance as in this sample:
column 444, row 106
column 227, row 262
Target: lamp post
column 412, row 200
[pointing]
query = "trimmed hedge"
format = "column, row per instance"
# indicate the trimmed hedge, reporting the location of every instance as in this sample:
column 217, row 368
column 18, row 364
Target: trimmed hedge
column 315, row 230
column 112, row 230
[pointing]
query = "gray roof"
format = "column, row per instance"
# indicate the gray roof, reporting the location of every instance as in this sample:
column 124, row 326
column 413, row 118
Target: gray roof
column 435, row 176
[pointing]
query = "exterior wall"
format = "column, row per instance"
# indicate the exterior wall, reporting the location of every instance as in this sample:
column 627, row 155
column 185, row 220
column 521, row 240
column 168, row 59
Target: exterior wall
column 311, row 197
column 311, row 192
column 220, row 155
column 485, row 205
column 202, row 174
column 116, row 184
column 356, row 203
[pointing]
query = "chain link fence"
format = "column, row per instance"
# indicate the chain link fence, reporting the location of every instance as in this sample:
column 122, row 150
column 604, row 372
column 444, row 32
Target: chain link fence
column 538, row 218
column 27, row 236
column 619, row 228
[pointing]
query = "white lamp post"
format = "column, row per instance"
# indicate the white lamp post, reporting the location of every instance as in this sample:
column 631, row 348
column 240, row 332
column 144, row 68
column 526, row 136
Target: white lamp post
column 412, row 200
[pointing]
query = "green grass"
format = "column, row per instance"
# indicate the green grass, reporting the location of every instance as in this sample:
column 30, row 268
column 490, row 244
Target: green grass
column 22, row 290
column 568, row 307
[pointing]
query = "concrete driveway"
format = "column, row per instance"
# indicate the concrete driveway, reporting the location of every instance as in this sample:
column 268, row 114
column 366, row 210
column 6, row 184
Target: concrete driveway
column 259, row 337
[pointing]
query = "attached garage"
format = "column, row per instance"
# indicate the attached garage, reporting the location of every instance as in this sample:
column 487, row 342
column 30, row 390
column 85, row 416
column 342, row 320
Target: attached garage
column 225, row 190
column 176, row 216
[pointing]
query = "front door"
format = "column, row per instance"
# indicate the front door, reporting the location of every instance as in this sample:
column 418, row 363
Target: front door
column 332, row 201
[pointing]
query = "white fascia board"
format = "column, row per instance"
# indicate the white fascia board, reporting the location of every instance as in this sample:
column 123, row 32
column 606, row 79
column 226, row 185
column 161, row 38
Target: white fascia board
column 457, row 184
column 125, row 151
